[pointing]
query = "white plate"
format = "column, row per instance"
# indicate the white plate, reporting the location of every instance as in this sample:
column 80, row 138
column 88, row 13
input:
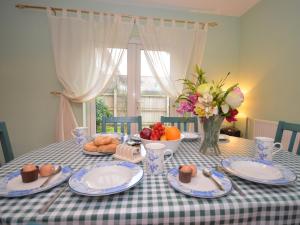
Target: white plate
column 12, row 185
column 223, row 137
column 259, row 171
column 106, row 178
column 200, row 186
column 190, row 136
column 95, row 153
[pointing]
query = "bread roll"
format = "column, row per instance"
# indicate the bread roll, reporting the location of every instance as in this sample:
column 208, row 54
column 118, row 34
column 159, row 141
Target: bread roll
column 110, row 148
column 115, row 141
column 103, row 140
column 90, row 147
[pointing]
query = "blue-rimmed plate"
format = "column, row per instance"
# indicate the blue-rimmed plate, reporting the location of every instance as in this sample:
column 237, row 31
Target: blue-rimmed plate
column 259, row 171
column 200, row 186
column 106, row 178
column 12, row 185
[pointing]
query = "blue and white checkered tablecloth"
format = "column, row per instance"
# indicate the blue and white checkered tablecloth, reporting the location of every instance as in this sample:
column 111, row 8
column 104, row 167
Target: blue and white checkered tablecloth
column 153, row 201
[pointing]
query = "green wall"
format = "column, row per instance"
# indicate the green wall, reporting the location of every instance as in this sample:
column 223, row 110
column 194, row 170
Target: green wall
column 270, row 60
column 261, row 49
column 27, row 72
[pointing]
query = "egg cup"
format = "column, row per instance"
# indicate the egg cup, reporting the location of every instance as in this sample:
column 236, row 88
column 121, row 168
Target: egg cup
column 30, row 176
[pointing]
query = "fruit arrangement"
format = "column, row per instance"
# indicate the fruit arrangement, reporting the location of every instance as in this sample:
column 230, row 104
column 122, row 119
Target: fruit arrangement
column 159, row 132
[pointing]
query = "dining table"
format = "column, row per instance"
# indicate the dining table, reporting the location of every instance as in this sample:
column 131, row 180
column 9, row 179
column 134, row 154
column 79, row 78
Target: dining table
column 153, row 200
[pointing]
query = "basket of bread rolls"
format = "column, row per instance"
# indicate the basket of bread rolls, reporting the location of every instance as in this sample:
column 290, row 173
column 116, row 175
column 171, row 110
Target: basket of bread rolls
column 103, row 144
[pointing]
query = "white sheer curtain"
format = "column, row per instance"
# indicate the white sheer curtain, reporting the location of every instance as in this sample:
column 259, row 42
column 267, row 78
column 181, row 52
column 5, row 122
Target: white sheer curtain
column 87, row 50
column 185, row 44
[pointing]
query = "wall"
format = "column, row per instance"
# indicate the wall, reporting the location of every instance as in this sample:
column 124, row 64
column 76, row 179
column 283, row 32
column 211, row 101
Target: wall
column 269, row 60
column 27, row 72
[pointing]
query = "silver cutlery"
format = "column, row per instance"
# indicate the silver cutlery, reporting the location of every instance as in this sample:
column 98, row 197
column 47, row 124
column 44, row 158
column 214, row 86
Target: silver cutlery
column 206, row 172
column 234, row 185
column 56, row 171
column 51, row 200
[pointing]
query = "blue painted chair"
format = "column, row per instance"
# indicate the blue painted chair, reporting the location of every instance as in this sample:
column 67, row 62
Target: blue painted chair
column 122, row 121
column 5, row 143
column 179, row 121
column 294, row 128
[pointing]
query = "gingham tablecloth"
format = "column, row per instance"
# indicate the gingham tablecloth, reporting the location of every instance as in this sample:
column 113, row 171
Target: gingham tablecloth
column 153, row 201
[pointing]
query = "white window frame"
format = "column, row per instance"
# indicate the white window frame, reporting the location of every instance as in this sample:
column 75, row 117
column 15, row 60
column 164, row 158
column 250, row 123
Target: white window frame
column 134, row 49
column 133, row 87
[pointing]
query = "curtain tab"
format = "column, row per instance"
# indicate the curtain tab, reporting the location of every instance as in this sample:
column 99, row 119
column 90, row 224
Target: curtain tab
column 48, row 10
column 64, row 12
column 91, row 15
column 134, row 20
column 150, row 20
column 161, row 22
column 116, row 18
column 205, row 28
column 101, row 16
column 173, row 23
column 78, row 13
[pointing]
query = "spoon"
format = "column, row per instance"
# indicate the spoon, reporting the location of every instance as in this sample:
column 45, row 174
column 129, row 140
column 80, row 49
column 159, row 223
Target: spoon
column 56, row 171
column 206, row 172
column 234, row 185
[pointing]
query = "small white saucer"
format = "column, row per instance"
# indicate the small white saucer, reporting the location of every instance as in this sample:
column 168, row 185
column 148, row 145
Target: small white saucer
column 190, row 136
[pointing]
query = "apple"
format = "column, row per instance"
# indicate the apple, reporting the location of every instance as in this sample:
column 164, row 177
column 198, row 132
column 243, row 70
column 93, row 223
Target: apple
column 154, row 137
column 146, row 133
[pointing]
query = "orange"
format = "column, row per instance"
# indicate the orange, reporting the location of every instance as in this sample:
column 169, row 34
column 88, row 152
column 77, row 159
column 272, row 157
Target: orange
column 163, row 138
column 172, row 133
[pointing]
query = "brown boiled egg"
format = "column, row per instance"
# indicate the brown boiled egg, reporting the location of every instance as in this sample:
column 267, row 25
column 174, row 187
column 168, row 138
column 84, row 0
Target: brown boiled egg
column 29, row 167
column 47, row 170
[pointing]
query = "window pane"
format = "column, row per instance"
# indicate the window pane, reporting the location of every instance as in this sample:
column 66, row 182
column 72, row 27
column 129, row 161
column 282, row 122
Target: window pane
column 114, row 100
column 154, row 103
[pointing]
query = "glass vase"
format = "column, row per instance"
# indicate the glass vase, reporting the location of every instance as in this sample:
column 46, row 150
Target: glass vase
column 211, row 127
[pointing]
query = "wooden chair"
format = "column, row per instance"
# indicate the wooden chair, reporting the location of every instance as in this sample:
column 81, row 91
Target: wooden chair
column 5, row 143
column 181, row 120
column 295, row 128
column 122, row 121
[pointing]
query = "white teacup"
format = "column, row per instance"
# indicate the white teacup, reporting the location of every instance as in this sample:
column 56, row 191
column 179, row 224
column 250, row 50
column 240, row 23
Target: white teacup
column 266, row 148
column 80, row 135
column 154, row 160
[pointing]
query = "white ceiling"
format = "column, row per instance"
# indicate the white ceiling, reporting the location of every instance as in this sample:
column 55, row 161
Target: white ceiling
column 218, row 7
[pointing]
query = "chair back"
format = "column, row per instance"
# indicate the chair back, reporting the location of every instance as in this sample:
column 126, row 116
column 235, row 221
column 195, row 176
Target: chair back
column 179, row 121
column 5, row 143
column 122, row 121
column 294, row 128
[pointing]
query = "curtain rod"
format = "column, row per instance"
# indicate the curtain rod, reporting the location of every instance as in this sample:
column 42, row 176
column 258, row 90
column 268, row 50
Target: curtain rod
column 23, row 6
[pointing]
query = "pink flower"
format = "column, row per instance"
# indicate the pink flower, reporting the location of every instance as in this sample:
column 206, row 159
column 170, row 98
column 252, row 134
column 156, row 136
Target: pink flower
column 193, row 99
column 232, row 114
column 184, row 107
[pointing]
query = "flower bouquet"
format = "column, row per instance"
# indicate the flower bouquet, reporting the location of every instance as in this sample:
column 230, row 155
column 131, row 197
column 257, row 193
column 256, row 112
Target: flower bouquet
column 212, row 104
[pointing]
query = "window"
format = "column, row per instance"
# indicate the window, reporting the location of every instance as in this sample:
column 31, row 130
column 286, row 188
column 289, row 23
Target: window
column 133, row 91
column 154, row 103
